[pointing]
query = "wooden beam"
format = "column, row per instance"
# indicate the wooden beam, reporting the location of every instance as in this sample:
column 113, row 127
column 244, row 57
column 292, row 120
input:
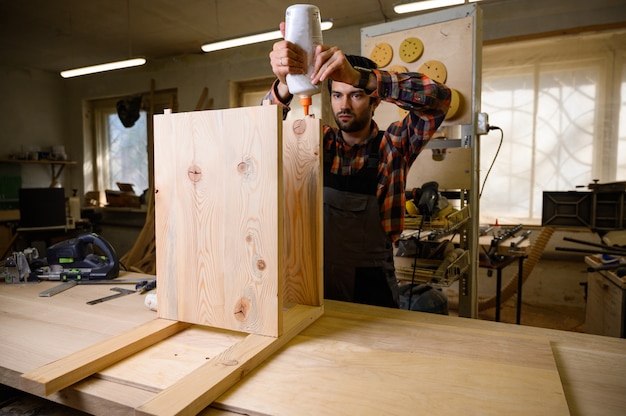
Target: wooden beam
column 200, row 388
column 57, row 375
column 202, row 99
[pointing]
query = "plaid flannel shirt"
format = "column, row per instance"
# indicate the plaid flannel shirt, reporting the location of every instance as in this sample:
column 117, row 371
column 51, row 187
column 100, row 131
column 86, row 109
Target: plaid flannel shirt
column 427, row 103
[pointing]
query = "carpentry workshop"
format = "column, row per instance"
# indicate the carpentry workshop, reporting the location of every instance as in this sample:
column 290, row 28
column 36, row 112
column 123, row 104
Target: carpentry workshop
column 373, row 207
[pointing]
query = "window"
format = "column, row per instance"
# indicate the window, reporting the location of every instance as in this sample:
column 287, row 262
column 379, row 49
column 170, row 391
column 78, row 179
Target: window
column 563, row 118
column 126, row 150
column 115, row 153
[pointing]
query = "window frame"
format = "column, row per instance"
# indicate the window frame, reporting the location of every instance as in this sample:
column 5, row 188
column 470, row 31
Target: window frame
column 95, row 152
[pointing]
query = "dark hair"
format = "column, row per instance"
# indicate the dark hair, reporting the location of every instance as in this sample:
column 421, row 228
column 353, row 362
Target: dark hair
column 359, row 61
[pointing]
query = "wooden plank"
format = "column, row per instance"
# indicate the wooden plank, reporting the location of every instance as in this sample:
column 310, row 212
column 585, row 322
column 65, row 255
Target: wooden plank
column 197, row 390
column 303, row 210
column 375, row 365
column 62, row 373
column 218, row 231
column 371, row 381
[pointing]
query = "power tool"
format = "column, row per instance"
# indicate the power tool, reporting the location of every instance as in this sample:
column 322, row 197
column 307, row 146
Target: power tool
column 76, row 259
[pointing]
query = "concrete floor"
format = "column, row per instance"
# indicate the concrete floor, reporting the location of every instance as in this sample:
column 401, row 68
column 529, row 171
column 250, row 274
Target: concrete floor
column 553, row 296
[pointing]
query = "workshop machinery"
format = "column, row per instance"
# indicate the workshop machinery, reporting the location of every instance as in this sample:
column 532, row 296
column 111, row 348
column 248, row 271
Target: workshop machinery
column 77, row 259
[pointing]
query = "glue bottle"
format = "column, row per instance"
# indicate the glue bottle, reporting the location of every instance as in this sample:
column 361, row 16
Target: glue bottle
column 304, row 28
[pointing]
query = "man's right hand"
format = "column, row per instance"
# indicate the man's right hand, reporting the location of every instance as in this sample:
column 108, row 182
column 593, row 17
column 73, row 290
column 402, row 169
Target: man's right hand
column 286, row 58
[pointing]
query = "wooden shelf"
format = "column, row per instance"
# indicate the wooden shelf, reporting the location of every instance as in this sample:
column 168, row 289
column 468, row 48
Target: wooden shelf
column 56, row 172
column 38, row 162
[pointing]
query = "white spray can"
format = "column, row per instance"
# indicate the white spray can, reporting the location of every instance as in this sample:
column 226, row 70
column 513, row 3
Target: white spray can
column 303, row 27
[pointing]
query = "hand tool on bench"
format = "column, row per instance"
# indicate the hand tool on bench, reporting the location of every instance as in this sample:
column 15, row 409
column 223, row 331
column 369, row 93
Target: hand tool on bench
column 518, row 240
column 71, row 283
column 145, row 286
column 122, row 292
column 492, row 253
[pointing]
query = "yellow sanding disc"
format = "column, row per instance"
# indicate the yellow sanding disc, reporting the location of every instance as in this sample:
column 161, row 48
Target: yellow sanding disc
column 382, row 54
column 411, row 49
column 455, row 104
column 402, row 112
column 435, row 70
column 398, row 68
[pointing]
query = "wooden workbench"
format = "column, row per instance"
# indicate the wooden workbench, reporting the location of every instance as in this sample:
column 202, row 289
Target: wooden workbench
column 357, row 359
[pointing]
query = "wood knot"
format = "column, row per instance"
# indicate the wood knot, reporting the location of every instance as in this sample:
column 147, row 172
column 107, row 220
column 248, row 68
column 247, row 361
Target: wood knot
column 194, row 173
column 242, row 309
column 242, row 167
column 260, row 264
column 299, row 127
column 230, row 362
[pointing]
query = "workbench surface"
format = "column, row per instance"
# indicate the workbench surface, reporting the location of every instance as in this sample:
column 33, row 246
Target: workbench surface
column 355, row 358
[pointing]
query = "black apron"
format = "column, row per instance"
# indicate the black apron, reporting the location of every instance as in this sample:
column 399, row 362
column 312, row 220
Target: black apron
column 358, row 254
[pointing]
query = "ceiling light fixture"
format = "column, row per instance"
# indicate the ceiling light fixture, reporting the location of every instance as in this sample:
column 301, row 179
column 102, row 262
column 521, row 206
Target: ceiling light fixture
column 417, row 6
column 103, row 67
column 249, row 39
column 110, row 66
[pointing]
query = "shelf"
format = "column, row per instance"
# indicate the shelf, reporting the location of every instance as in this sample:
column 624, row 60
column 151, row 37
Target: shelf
column 38, row 162
column 56, row 172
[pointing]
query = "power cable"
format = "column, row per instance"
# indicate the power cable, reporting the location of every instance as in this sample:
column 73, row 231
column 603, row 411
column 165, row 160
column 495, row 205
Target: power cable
column 494, row 158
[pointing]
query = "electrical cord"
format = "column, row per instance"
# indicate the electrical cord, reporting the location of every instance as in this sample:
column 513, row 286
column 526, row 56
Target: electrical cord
column 494, row 158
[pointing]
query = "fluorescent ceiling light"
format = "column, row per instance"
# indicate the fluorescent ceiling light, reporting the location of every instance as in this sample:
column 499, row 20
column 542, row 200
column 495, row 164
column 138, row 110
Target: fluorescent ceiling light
column 256, row 38
column 417, row 6
column 103, row 67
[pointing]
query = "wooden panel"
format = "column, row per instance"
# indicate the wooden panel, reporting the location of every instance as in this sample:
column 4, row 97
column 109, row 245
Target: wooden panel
column 449, row 42
column 201, row 387
column 605, row 306
column 62, row 373
column 414, row 368
column 217, row 229
column 303, row 209
column 454, row 172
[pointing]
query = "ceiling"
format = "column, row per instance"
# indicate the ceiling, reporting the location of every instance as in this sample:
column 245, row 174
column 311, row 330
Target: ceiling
column 63, row 34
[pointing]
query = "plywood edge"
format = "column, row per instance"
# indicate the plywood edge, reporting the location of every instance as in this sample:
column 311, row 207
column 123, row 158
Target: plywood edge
column 200, row 388
column 57, row 375
column 302, row 166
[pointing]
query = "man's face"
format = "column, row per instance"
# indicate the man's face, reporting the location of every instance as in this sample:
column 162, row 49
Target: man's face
column 352, row 107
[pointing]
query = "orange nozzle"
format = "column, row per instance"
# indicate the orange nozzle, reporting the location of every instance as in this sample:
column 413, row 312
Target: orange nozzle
column 306, row 102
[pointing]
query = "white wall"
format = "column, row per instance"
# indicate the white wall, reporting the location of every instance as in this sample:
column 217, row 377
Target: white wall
column 33, row 112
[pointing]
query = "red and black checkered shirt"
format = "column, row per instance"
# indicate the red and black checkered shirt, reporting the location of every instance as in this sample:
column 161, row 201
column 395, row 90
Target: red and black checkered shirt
column 427, row 103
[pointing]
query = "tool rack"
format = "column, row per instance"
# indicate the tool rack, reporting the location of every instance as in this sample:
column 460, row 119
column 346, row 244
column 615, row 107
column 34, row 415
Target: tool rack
column 452, row 37
column 427, row 271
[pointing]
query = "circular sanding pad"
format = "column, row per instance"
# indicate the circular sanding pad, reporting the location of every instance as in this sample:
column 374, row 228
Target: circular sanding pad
column 435, row 70
column 382, row 54
column 411, row 49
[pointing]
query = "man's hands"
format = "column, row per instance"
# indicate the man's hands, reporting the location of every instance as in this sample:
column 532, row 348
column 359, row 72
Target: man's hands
column 329, row 63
